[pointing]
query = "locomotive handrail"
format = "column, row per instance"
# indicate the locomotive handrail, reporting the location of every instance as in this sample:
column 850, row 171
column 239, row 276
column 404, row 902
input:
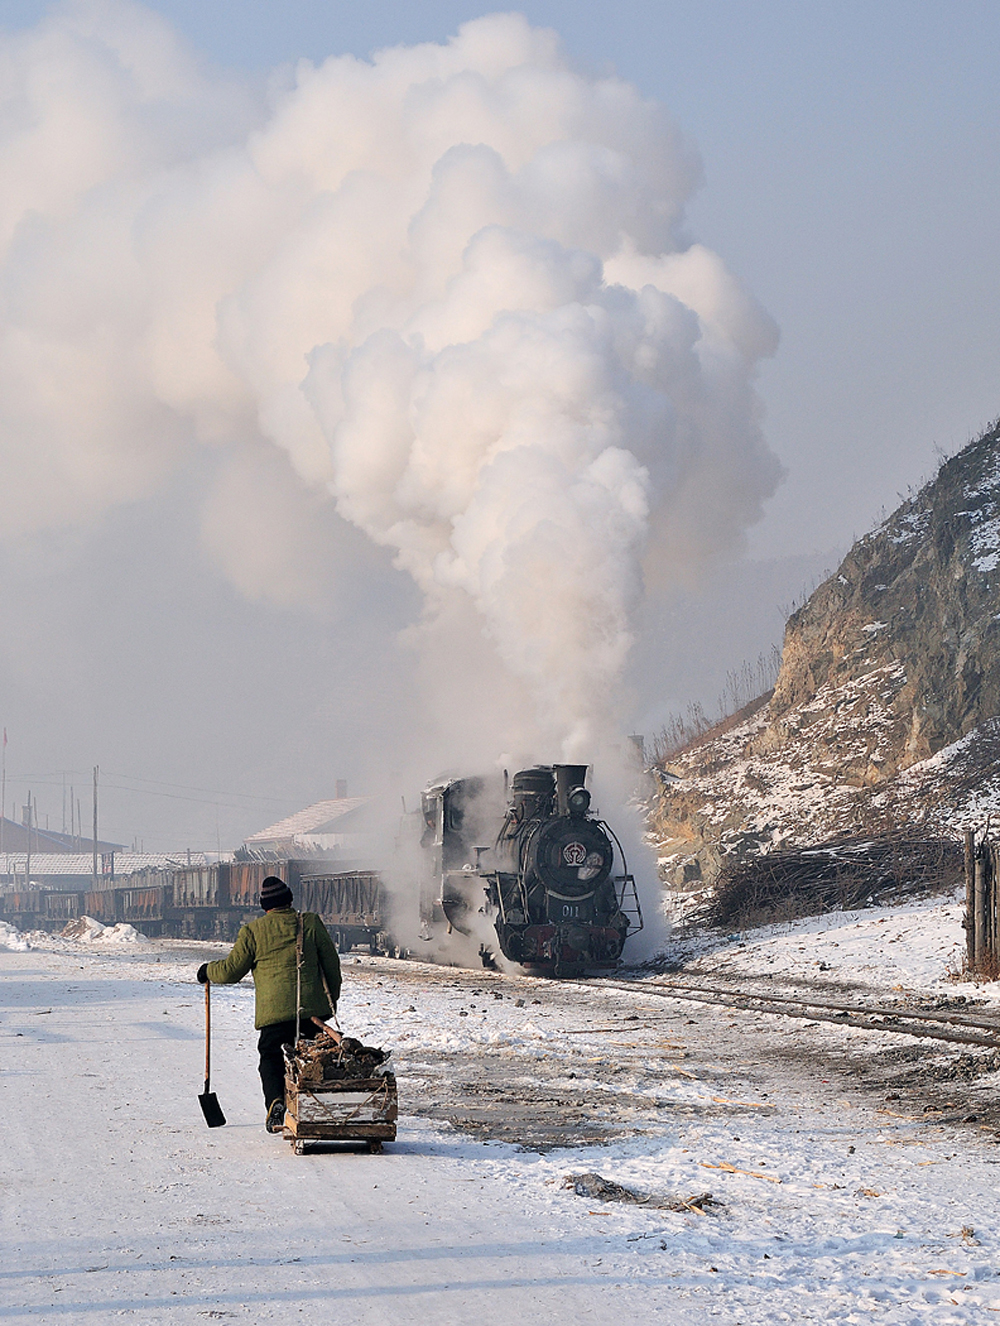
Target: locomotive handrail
column 625, row 881
column 621, row 850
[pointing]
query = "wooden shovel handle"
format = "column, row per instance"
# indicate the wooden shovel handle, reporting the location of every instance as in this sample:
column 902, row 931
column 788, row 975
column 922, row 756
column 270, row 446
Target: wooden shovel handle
column 208, row 1034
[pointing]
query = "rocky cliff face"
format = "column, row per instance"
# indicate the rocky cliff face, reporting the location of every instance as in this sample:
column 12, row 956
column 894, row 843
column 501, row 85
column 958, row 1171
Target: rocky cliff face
column 893, row 660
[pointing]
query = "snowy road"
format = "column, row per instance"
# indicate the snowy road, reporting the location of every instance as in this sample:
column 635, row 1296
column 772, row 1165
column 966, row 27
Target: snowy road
column 117, row 1201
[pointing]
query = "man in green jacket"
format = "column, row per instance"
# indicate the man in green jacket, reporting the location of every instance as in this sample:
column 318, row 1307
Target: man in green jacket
column 268, row 948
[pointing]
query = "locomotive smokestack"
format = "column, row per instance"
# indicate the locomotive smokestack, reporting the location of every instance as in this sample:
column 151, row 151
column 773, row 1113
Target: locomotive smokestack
column 568, row 776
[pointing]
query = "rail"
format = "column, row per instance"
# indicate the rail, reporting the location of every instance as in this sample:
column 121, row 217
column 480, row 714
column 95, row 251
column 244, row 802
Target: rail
column 864, row 1017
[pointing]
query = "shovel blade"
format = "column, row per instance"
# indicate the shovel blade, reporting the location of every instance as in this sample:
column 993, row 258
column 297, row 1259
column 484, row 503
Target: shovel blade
column 211, row 1109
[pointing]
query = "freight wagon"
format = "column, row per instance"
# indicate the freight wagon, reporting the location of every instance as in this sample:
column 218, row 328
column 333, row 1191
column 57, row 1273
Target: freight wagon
column 212, row 902
column 242, row 881
column 25, row 910
column 101, row 904
column 350, row 903
column 41, row 909
column 62, row 906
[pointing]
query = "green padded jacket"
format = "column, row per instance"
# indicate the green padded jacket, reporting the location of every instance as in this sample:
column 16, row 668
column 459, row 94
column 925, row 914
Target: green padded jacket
column 267, row 948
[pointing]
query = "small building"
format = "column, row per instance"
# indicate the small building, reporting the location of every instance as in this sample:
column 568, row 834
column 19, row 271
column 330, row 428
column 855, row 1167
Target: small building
column 16, row 837
column 340, row 829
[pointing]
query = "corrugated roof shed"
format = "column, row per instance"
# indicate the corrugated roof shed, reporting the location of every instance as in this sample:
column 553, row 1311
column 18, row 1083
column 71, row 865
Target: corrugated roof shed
column 126, row 863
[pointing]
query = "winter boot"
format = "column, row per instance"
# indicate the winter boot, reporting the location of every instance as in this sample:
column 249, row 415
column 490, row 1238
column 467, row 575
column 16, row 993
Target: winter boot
column 275, row 1116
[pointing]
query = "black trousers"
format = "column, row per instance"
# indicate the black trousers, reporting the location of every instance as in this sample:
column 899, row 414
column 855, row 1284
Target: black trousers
column 272, row 1061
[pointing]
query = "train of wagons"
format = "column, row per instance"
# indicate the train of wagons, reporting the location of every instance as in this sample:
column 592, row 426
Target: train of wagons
column 524, row 867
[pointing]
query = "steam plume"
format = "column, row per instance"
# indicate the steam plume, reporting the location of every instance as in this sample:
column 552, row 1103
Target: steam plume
column 449, row 287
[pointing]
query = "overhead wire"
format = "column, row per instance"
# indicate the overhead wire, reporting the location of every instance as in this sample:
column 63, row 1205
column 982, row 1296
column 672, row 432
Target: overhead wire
column 50, row 780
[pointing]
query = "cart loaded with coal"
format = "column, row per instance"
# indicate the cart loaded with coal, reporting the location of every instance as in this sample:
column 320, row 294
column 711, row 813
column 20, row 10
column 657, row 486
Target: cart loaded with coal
column 338, row 1090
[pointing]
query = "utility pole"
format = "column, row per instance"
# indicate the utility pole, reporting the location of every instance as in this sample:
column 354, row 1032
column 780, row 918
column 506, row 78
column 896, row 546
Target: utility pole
column 95, row 827
column 3, row 786
column 27, row 864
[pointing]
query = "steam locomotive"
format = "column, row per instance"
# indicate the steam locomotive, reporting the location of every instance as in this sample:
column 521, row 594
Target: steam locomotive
column 523, row 868
column 547, row 884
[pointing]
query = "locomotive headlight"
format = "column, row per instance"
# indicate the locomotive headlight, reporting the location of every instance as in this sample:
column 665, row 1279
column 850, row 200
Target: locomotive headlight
column 578, row 802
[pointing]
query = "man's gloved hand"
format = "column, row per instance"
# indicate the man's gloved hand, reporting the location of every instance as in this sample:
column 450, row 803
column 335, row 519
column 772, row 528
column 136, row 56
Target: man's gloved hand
column 203, row 973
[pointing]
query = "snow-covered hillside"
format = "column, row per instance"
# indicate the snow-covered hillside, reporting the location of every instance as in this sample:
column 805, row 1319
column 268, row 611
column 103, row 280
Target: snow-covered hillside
column 885, row 711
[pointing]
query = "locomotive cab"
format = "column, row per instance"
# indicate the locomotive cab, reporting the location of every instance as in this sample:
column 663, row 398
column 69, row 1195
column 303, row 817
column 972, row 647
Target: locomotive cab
column 457, row 812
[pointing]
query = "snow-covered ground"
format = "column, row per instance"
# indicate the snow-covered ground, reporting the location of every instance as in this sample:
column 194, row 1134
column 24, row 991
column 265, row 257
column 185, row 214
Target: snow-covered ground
column 917, row 946
column 117, row 1201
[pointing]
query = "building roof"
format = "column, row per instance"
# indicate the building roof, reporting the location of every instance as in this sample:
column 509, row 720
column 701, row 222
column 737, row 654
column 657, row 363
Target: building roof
column 80, row 865
column 15, row 839
column 321, row 817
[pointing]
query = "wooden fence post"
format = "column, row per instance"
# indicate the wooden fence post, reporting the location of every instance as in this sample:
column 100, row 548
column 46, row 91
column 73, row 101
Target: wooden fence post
column 994, row 912
column 970, row 900
column 979, row 910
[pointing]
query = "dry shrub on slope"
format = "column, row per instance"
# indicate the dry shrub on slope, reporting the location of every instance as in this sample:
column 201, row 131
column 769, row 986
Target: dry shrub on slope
column 841, row 873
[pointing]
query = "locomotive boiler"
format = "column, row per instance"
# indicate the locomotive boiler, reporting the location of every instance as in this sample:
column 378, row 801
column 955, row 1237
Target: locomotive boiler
column 554, row 884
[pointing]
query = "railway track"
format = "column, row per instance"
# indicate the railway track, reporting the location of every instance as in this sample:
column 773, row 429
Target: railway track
column 952, row 1027
column 865, row 1017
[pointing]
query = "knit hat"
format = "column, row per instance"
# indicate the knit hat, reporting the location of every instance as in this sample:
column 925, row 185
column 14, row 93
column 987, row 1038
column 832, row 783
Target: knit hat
column 274, row 892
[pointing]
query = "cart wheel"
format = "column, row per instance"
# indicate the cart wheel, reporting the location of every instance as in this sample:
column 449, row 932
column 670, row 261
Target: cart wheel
column 374, row 1146
column 299, row 1147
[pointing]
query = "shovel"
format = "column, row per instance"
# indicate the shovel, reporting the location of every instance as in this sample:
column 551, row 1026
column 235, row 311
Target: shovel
column 209, row 1101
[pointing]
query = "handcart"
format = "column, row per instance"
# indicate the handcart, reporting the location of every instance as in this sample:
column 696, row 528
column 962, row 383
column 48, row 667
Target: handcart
column 346, row 1109
column 336, row 1089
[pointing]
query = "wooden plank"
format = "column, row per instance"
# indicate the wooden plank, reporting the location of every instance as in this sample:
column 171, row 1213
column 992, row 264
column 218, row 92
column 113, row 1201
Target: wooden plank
column 363, row 1133
column 994, row 908
column 366, row 1110
column 345, row 1084
column 979, row 911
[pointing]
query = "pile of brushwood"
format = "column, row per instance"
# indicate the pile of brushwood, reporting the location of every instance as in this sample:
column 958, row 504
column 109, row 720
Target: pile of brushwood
column 323, row 1060
column 840, row 874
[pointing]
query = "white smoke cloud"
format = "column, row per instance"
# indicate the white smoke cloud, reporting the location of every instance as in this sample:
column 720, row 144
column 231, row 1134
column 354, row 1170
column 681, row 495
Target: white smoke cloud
column 449, row 285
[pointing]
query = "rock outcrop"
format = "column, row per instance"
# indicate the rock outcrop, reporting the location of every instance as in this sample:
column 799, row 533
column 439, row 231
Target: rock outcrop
column 889, row 680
